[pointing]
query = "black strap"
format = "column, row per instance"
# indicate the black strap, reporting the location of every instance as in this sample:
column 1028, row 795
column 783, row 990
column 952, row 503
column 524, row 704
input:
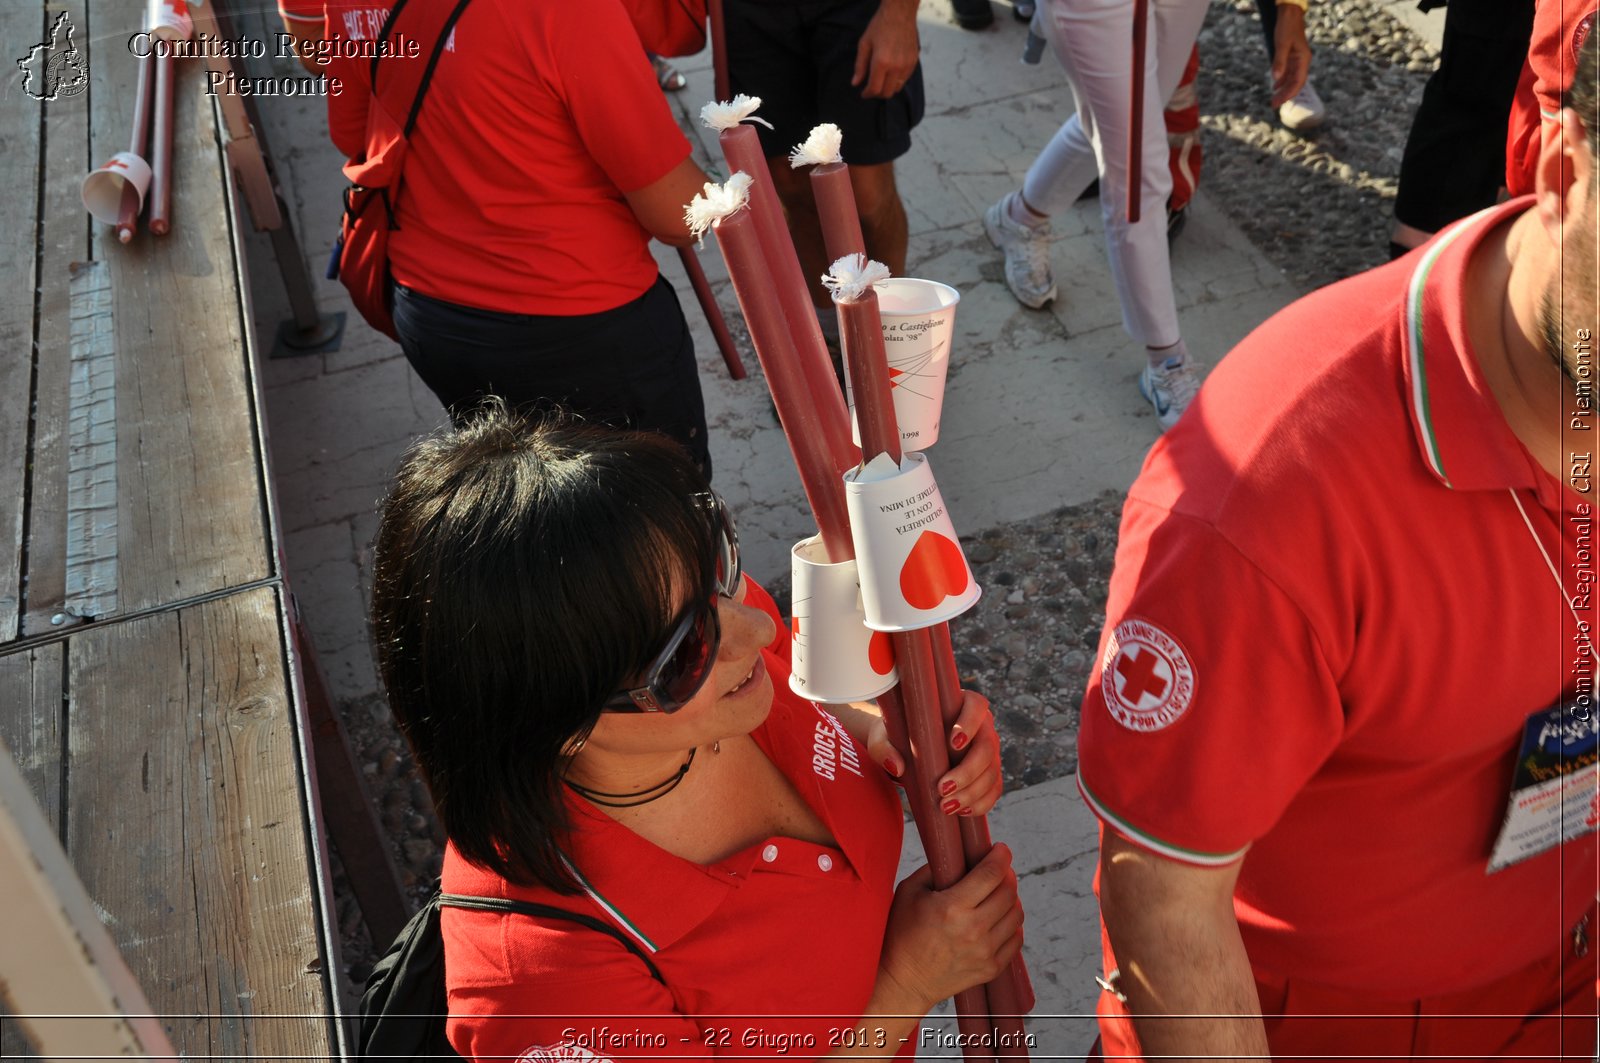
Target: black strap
column 383, row 36
column 433, row 61
column 503, row 904
column 433, row 58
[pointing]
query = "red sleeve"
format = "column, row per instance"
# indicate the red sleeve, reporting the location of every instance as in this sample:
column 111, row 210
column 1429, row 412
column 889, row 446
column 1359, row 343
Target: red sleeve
column 351, row 20
column 605, row 79
column 302, row 11
column 669, row 27
column 1522, row 136
column 1211, row 704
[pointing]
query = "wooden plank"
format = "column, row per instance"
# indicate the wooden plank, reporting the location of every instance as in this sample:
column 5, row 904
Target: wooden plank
column 191, row 515
column 31, row 688
column 187, row 823
column 64, row 239
column 21, row 124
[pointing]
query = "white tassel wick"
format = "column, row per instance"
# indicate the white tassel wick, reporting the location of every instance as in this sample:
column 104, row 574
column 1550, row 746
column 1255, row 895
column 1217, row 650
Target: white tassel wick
column 721, row 115
column 820, row 148
column 849, row 278
column 715, row 203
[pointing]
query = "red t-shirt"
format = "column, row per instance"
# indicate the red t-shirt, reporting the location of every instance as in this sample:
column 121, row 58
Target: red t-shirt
column 1559, row 30
column 766, row 953
column 1327, row 625
column 540, row 116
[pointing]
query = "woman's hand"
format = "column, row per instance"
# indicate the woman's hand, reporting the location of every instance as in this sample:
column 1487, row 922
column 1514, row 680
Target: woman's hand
column 972, row 786
column 941, row 942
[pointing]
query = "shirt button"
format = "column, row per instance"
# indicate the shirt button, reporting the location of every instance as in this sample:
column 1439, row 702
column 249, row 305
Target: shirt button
column 825, row 862
column 770, row 853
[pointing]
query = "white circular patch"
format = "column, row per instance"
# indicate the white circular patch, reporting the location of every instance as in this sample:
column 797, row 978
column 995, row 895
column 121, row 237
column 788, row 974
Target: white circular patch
column 562, row 1053
column 1145, row 677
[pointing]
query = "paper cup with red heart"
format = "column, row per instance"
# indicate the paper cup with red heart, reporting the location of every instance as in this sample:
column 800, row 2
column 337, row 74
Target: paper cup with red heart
column 102, row 189
column 919, row 321
column 913, row 573
column 834, row 657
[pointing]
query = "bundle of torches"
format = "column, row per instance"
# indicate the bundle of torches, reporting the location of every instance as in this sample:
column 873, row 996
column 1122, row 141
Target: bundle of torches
column 748, row 222
column 119, row 190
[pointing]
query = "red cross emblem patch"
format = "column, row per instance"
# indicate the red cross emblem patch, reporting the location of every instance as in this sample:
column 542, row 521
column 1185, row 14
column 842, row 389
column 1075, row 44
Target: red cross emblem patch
column 1145, row 677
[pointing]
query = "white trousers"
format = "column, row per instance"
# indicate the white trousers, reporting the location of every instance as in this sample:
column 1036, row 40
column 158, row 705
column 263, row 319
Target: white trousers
column 1094, row 41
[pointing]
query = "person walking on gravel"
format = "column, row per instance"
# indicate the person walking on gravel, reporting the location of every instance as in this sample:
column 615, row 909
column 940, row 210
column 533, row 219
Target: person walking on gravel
column 1342, row 736
column 1091, row 39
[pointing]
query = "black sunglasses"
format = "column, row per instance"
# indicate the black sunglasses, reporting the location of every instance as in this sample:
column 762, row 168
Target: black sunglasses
column 678, row 672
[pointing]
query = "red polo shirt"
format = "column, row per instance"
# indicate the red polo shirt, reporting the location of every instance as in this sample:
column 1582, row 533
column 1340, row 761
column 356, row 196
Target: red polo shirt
column 1327, row 625
column 541, row 115
column 766, row 953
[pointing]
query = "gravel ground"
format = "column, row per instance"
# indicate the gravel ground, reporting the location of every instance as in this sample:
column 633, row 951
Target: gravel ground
column 1318, row 207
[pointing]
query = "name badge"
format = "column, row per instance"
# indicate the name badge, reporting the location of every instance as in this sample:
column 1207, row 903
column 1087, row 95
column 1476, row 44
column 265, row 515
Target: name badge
column 1555, row 789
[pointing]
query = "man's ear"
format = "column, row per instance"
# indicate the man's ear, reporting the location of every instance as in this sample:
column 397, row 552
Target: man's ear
column 1564, row 170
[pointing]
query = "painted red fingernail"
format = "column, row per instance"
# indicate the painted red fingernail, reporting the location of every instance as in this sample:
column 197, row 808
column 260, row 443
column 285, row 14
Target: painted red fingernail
column 950, row 806
column 966, row 812
column 948, row 788
column 960, row 741
column 888, row 766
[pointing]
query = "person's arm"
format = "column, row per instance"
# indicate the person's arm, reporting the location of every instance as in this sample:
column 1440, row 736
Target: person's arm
column 659, row 205
column 1291, row 52
column 297, row 30
column 1177, row 946
column 887, row 52
column 937, row 944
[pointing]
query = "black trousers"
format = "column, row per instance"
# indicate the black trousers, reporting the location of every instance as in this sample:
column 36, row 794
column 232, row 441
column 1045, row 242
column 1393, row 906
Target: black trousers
column 631, row 367
column 1455, row 157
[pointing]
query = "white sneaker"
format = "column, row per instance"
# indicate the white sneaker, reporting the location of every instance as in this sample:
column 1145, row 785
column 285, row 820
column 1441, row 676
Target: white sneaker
column 1170, row 389
column 1304, row 110
column 1027, row 249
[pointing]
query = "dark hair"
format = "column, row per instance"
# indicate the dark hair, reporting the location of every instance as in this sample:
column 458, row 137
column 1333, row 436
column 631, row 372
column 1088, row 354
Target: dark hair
column 1583, row 95
column 524, row 572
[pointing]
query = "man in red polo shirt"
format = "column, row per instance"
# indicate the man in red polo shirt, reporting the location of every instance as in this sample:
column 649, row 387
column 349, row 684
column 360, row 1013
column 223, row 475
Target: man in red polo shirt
column 1342, row 737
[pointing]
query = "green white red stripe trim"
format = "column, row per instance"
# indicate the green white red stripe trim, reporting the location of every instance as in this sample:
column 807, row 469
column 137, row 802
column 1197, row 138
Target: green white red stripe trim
column 610, row 909
column 1149, row 841
column 1413, row 338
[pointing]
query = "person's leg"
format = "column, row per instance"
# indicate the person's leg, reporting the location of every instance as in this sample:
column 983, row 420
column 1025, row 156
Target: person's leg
column 883, row 216
column 1454, row 160
column 1019, row 224
column 800, row 210
column 1087, row 35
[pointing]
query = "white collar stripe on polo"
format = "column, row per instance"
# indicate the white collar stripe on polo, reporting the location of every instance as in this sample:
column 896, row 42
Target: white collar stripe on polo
column 1413, row 339
column 1175, row 852
column 610, row 909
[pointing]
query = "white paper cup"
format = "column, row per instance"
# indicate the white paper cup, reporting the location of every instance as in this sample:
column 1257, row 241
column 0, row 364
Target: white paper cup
column 834, row 657
column 913, row 572
column 919, row 322
column 169, row 20
column 102, row 189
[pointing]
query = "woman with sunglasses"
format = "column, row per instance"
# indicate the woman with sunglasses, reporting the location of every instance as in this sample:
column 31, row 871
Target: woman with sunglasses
column 599, row 703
